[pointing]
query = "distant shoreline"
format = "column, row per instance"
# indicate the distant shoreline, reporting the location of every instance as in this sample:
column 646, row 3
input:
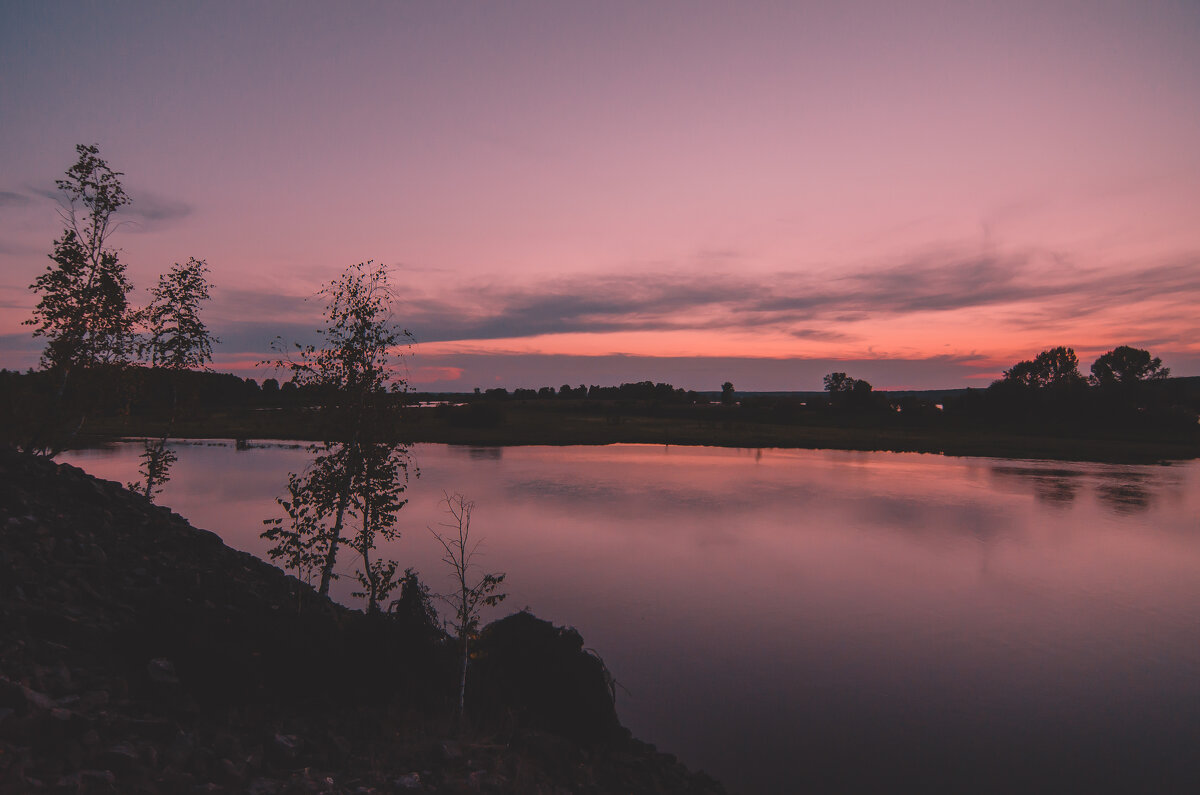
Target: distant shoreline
column 523, row 426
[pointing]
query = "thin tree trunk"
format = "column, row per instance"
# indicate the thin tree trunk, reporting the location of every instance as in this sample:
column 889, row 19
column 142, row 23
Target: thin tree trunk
column 464, row 624
column 372, row 587
column 462, row 682
column 343, row 502
column 331, row 555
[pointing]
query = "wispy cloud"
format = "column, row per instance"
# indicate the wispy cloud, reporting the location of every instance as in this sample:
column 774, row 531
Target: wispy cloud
column 146, row 212
column 804, row 305
column 841, row 313
column 153, row 211
column 10, row 199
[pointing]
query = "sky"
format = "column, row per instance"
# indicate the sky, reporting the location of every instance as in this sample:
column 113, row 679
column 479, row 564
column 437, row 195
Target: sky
column 919, row 194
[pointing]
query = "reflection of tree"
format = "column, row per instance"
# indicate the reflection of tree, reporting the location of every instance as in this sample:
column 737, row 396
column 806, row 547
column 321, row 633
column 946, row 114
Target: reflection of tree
column 1051, row 486
column 1055, row 489
column 177, row 341
column 1125, row 497
column 485, row 453
column 1121, row 491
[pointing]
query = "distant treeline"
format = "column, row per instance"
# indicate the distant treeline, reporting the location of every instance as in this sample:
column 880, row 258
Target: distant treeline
column 144, row 389
column 1158, row 407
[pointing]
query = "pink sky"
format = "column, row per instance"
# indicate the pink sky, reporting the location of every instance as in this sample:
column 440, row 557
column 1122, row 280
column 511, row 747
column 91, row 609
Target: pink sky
column 919, row 193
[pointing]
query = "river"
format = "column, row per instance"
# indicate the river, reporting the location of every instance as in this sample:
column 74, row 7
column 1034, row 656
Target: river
column 823, row 621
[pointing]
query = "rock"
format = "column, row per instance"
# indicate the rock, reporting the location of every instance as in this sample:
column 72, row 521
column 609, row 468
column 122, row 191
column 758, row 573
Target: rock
column 227, row 773
column 180, row 750
column 284, row 748
column 104, row 777
column 36, row 700
column 263, row 786
column 409, row 781
column 162, row 671
column 343, row 747
column 92, row 699
column 449, row 751
column 120, row 758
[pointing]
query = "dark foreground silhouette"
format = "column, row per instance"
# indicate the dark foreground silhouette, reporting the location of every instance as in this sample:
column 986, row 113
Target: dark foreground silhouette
column 139, row 654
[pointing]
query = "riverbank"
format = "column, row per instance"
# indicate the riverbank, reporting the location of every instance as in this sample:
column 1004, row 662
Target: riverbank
column 531, row 425
column 143, row 655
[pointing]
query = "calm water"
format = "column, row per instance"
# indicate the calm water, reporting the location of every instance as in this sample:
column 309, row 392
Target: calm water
column 827, row 621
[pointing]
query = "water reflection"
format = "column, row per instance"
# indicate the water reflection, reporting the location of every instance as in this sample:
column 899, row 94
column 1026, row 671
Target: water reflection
column 827, row 621
column 1052, row 486
column 1127, row 497
column 480, row 453
column 1124, row 490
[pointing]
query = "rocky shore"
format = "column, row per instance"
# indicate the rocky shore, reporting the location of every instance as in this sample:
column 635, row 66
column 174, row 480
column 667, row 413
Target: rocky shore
column 141, row 655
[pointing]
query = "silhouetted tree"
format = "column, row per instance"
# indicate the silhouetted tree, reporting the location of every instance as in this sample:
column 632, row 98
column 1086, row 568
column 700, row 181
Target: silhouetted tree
column 298, row 542
column 471, row 595
column 1125, row 365
column 83, row 309
column 846, row 391
column 727, row 395
column 353, row 475
column 414, row 610
column 377, row 499
column 1053, row 368
column 176, row 337
column 176, row 340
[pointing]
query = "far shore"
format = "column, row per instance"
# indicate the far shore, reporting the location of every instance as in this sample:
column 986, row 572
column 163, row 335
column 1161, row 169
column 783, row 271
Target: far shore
column 526, row 426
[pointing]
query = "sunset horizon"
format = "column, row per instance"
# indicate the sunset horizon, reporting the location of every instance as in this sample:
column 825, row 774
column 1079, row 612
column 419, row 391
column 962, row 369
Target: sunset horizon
column 602, row 195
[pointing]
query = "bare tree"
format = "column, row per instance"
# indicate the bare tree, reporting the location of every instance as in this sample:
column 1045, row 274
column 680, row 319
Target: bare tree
column 471, row 595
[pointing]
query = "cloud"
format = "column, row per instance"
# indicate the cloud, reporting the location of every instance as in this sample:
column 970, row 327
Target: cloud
column 147, row 211
column 258, row 337
column 1022, row 291
column 433, row 375
column 151, row 211
column 1041, row 288
column 21, row 343
column 11, row 199
column 18, row 249
column 821, row 335
column 234, row 302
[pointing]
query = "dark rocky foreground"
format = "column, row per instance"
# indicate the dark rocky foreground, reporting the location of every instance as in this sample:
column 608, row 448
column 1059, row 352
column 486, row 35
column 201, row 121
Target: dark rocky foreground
column 139, row 654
